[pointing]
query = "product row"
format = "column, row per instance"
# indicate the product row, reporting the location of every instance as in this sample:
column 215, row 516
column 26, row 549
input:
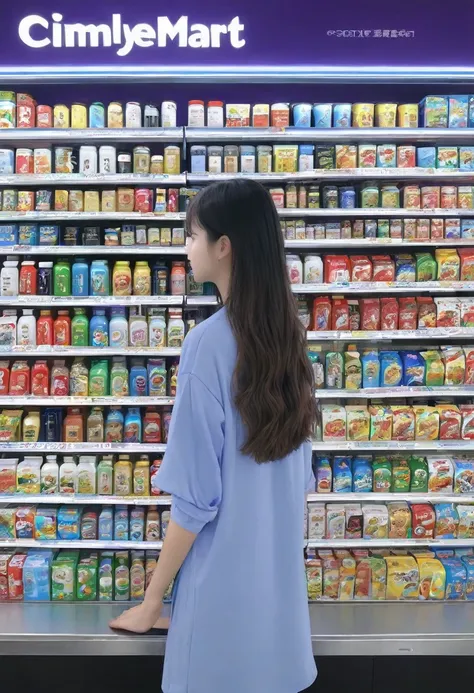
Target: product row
column 369, row 368
column 116, row 523
column 404, row 313
column 85, row 475
column 421, row 229
column 95, row 278
column 79, row 425
column 392, row 575
column 289, row 158
column 383, row 422
column 143, row 328
column 22, row 111
column 393, row 474
column 100, row 378
column 124, row 200
column 70, row 575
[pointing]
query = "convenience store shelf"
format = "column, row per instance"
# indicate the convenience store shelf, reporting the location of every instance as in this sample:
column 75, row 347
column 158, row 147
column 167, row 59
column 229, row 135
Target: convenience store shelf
column 382, row 287
column 377, row 212
column 52, row 217
column 385, row 497
column 389, row 335
column 392, row 445
column 34, row 179
column 21, row 136
column 76, row 448
column 80, row 544
column 99, row 301
column 337, row 629
column 388, row 543
column 377, row 242
column 322, row 174
column 31, row 401
column 100, row 250
column 82, row 499
column 336, row 135
column 43, row 351
column 202, row 301
column 401, row 391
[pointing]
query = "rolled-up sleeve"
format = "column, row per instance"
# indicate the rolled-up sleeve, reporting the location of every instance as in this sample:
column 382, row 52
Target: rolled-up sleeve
column 191, row 469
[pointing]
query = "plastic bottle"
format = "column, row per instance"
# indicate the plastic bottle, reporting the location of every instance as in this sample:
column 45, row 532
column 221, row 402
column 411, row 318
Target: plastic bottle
column 141, row 477
column 10, row 278
column 95, row 426
column 178, row 278
column 28, row 278
column 62, row 278
column 86, row 475
column 175, row 328
column 99, row 278
column 31, row 427
column 118, row 328
column 73, row 426
column 62, row 329
column 138, row 379
column 59, row 379
column 45, row 329
column 119, row 378
column 123, row 476
column 122, row 278
column 151, row 426
column 50, row 475
column 99, row 329
column 99, row 379
column 137, row 329
column 142, row 279
column 152, row 529
column 114, row 425
column 51, row 425
column 45, row 278
column 67, row 475
column 133, row 426
column 80, row 328
column 105, row 473
column 26, row 329
column 79, row 379
column 40, row 379
column 80, row 278
column 157, row 329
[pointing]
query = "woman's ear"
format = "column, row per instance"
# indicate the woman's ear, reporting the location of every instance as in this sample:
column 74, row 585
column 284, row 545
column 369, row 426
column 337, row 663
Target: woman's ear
column 224, row 247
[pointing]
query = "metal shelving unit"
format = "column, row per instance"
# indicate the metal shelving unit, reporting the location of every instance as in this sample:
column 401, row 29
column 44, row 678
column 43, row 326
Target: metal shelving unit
column 92, row 216
column 353, row 174
column 19, row 136
column 389, row 335
column 390, row 497
column 375, row 447
column 92, row 179
column 401, row 391
column 31, row 401
column 82, row 499
column 383, row 287
column 81, row 544
column 371, row 212
column 100, row 301
column 42, row 352
column 82, row 250
column 79, row 448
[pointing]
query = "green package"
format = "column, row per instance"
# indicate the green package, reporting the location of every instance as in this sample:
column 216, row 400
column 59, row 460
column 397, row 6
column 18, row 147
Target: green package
column 419, row 474
column 401, row 475
column 121, row 577
column 434, row 370
column 106, row 576
column 87, row 578
column 63, row 576
column 426, row 267
column 99, row 379
column 382, row 475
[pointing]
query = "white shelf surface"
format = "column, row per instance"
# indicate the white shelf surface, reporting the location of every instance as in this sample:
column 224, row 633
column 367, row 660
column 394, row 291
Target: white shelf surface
column 376, row 212
column 80, row 544
column 100, row 250
column 100, row 301
column 31, row 401
column 82, row 499
column 52, row 217
column 387, row 497
column 401, row 391
column 388, row 543
column 346, row 174
column 76, row 448
column 389, row 335
column 37, row 180
column 58, row 351
column 90, row 135
column 378, row 243
column 393, row 446
column 382, row 287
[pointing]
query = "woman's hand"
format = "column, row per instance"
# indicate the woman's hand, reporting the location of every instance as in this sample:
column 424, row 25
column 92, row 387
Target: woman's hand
column 141, row 618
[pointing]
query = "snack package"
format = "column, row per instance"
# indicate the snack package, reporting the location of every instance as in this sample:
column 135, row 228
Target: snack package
column 469, row 359
column 448, row 311
column 401, row 475
column 354, row 315
column 391, row 369
column 380, row 422
column 358, row 422
column 342, row 474
column 426, row 422
column 370, row 368
column 331, row 568
column 403, row 426
column 375, row 521
column 403, row 578
column 371, row 578
column 314, row 576
column 335, row 521
column 405, row 268
column 434, row 368
column 467, row 413
column 448, row 264
column 352, row 370
column 432, row 578
column 466, row 256
column 423, row 521
column 468, row 563
column 322, row 314
column 447, row 521
column 389, row 312
column 362, row 475
column 426, row 267
column 419, row 474
column 456, row 578
column 336, row 269
column 323, row 474
column 7, row 524
column 334, row 370
column 347, row 574
column 340, row 314
column 408, row 315
column 369, row 313
column 413, row 368
column 450, row 422
column 399, row 521
column 441, row 474
column 463, row 475
column 382, row 475
column 316, row 521
column 383, row 268
column 333, row 422
column 361, row 268
column 467, row 312
column 466, row 521
column 455, row 365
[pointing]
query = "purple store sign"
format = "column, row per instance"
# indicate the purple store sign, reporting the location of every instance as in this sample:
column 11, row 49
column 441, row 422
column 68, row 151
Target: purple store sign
column 145, row 37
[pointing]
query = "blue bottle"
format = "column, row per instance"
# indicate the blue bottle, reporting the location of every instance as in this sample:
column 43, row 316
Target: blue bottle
column 99, row 329
column 114, row 426
column 52, row 421
column 100, row 280
column 138, row 381
column 80, row 278
column 133, row 426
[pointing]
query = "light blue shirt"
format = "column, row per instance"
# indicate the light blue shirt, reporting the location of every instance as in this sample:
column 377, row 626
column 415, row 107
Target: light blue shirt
column 240, row 618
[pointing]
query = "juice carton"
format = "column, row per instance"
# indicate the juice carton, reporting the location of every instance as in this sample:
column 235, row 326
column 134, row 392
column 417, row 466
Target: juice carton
column 69, row 523
column 37, row 576
column 434, row 112
column 5, row 558
column 137, row 576
column 316, row 521
column 106, row 519
column 106, row 581
column 87, row 578
column 45, row 523
column 458, row 111
column 121, row 577
column 15, row 577
column 121, row 523
column 63, row 576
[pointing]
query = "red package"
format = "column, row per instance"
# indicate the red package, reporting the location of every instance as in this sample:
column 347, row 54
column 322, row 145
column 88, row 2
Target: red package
column 173, row 200
column 369, row 313
column 437, row 228
column 412, row 197
column 19, row 379
column 340, row 314
column 354, row 315
column 361, row 268
column 408, row 316
column 15, row 577
column 426, row 312
column 469, row 376
column 4, row 377
column 450, row 421
column 423, row 521
column 44, row 116
column 25, row 111
column 467, row 264
column 430, row 197
column 406, row 156
column 388, row 314
column 40, row 379
column 336, row 269
column 383, row 268
column 143, row 200
column 321, row 313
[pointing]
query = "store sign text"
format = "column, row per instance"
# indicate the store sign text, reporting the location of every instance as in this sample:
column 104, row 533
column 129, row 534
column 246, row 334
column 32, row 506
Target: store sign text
column 38, row 32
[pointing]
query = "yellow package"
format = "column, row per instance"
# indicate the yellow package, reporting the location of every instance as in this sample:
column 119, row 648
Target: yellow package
column 346, row 156
column 380, row 422
column 449, row 264
column 432, row 577
column 314, row 577
column 454, row 364
column 426, row 422
column 91, row 201
column 285, row 158
column 347, row 574
column 378, row 576
column 358, row 422
column 109, row 201
column 403, row 578
column 10, row 420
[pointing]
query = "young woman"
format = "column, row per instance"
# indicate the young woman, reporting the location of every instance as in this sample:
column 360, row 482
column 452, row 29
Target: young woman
column 238, row 464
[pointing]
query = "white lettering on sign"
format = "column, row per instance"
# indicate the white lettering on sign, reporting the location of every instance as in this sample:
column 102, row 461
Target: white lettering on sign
column 36, row 31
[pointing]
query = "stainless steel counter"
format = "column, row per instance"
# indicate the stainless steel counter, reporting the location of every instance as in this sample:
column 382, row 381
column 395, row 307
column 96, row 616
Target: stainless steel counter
column 338, row 629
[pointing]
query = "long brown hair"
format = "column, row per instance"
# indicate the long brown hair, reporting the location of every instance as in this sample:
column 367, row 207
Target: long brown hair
column 273, row 378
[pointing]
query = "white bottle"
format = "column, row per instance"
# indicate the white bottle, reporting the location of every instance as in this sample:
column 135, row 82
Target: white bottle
column 9, row 278
column 157, row 329
column 26, row 329
column 86, row 476
column 175, row 328
column 50, row 475
column 138, row 330
column 67, row 476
